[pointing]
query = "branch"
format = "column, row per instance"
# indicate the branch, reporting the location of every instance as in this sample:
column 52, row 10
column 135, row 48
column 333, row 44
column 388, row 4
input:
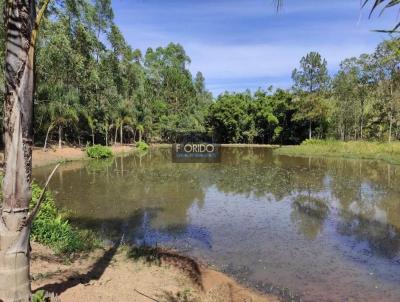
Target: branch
column 35, row 30
column 40, row 200
column 144, row 295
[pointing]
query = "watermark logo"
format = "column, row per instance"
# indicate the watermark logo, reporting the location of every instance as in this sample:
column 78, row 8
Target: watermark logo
column 196, row 153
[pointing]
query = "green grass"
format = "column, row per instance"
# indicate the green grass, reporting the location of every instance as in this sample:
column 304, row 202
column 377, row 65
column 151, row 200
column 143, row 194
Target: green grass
column 39, row 296
column 389, row 152
column 52, row 229
column 142, row 146
column 98, row 152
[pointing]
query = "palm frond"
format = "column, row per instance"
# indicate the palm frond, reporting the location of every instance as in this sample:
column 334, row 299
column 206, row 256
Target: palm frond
column 385, row 4
column 278, row 4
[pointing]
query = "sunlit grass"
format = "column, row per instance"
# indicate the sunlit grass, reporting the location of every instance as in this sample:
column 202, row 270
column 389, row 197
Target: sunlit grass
column 389, row 152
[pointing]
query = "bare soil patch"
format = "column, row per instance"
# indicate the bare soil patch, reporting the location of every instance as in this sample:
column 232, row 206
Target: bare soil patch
column 54, row 155
column 109, row 275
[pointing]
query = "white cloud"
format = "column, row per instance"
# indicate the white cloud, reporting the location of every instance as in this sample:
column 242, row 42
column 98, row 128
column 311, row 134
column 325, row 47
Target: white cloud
column 240, row 44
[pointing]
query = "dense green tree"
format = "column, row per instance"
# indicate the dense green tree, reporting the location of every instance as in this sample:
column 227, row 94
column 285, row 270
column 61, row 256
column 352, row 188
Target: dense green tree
column 387, row 60
column 176, row 100
column 230, row 117
column 261, row 117
column 365, row 94
column 312, row 75
column 346, row 113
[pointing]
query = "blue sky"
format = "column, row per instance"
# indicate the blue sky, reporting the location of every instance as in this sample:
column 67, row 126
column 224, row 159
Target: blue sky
column 239, row 44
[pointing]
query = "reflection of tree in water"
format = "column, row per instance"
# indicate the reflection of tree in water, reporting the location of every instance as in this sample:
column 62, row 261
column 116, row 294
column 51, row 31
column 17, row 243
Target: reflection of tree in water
column 99, row 165
column 383, row 239
column 250, row 172
column 309, row 213
column 369, row 209
column 368, row 205
column 132, row 194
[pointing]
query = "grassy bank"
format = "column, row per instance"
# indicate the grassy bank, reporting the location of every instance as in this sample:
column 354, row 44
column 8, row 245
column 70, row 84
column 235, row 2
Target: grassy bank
column 51, row 228
column 389, row 152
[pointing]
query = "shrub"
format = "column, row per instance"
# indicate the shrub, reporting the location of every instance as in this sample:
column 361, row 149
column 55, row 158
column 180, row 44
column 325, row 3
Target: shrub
column 313, row 142
column 52, row 229
column 98, row 151
column 142, row 146
column 39, row 296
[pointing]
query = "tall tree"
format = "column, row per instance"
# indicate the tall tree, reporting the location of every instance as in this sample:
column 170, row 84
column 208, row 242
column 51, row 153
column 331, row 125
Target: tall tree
column 312, row 75
column 387, row 59
column 346, row 113
column 310, row 82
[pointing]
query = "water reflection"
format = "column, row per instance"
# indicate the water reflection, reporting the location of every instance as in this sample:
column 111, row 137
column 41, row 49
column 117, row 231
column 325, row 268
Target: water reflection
column 309, row 213
column 328, row 228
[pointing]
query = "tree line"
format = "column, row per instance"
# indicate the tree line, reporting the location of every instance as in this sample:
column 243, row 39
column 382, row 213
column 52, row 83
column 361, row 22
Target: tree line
column 360, row 101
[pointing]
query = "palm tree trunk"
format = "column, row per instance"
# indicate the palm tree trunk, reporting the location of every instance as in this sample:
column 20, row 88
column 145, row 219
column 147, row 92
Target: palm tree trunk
column 18, row 136
column 59, row 137
column 92, row 136
column 116, row 134
column 47, row 136
column 121, row 133
column 107, row 136
column 140, row 135
column 309, row 130
column 390, row 113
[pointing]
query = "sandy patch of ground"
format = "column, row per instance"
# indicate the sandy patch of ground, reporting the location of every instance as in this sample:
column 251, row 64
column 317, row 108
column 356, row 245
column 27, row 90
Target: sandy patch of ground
column 109, row 275
column 54, row 155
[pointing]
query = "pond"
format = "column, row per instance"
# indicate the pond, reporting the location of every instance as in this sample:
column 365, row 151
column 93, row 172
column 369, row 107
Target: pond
column 327, row 229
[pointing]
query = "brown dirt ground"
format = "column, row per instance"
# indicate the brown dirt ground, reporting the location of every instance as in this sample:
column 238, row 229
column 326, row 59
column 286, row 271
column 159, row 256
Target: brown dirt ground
column 109, row 275
column 53, row 155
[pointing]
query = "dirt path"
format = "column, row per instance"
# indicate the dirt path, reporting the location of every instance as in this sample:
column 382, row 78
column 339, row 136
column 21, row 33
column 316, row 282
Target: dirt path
column 109, row 275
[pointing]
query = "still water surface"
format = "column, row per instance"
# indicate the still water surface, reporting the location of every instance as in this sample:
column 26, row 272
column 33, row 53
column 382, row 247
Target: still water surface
column 327, row 229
